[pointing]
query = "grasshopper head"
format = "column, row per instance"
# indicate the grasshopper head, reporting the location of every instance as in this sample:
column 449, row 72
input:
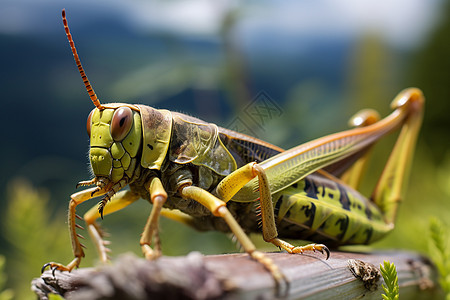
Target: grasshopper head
column 115, row 133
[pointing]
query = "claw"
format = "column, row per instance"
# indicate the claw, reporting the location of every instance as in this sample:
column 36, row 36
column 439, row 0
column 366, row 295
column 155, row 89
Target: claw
column 325, row 248
column 44, row 267
column 101, row 205
column 53, row 271
column 56, row 266
column 100, row 210
column 53, row 268
column 322, row 248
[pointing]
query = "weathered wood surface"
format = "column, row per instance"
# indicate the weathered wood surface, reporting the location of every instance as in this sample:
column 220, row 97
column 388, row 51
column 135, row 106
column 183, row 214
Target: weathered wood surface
column 236, row 276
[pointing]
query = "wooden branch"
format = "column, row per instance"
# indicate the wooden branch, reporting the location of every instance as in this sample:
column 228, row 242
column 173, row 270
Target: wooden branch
column 344, row 276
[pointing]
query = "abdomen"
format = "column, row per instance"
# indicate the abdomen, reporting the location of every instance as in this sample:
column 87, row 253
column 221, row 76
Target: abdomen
column 321, row 210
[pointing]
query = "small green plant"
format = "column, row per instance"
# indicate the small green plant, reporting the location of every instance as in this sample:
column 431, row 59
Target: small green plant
column 390, row 285
column 440, row 254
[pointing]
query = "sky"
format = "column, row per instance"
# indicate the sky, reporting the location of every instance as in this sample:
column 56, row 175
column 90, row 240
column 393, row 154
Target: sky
column 403, row 23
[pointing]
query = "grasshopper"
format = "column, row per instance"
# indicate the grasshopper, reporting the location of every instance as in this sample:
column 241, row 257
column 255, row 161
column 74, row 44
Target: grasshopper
column 210, row 178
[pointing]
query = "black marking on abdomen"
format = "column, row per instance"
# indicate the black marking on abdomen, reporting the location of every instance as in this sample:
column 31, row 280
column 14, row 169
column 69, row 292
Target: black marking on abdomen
column 368, row 212
column 369, row 233
column 309, row 213
column 278, row 205
column 343, row 226
column 343, row 198
column 310, row 188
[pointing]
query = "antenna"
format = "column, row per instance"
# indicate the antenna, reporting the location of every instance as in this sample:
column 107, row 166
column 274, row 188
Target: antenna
column 86, row 82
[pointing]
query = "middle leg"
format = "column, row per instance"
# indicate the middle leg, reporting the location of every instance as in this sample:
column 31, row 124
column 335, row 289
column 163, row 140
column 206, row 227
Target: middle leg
column 218, row 208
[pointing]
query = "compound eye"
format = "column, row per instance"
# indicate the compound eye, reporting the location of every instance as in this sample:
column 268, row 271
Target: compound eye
column 89, row 122
column 121, row 123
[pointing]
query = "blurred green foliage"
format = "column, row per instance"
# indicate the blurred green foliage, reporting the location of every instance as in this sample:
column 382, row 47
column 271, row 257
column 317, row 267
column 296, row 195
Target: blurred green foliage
column 429, row 70
column 5, row 294
column 35, row 236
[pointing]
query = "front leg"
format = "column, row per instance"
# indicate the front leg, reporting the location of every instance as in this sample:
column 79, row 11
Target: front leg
column 158, row 197
column 119, row 201
column 77, row 247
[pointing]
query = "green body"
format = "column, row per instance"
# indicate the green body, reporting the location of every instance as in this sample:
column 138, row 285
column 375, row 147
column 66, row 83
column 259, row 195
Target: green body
column 179, row 148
